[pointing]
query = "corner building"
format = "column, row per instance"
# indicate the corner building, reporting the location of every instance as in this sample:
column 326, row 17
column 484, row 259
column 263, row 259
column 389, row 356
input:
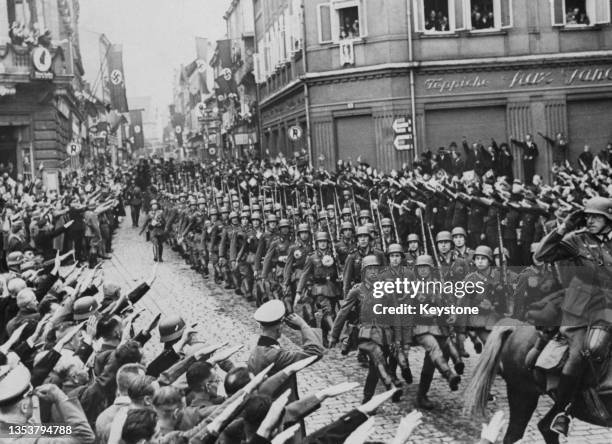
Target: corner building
column 344, row 70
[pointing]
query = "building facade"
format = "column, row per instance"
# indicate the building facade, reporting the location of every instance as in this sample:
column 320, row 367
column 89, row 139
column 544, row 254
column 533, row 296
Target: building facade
column 40, row 71
column 481, row 69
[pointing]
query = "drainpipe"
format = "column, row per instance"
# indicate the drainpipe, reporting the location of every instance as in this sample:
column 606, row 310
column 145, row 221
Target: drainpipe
column 411, row 59
column 306, row 95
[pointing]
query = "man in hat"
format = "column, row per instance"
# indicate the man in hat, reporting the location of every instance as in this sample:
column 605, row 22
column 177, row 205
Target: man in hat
column 174, row 335
column 17, row 408
column 268, row 350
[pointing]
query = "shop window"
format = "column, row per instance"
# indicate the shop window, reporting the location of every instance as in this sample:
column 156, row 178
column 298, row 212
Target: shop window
column 341, row 20
column 580, row 12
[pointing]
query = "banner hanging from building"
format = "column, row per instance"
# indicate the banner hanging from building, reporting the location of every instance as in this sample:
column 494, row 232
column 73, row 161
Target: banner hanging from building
column 136, row 132
column 116, row 78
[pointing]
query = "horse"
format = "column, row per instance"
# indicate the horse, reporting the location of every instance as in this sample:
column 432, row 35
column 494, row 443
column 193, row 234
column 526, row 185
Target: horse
column 505, row 350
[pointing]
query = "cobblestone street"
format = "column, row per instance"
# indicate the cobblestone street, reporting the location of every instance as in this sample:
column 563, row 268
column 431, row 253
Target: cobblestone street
column 223, row 316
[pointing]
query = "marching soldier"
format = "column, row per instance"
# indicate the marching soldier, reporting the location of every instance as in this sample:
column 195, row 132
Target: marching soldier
column 321, row 269
column 276, row 259
column 461, row 250
column 433, row 336
column 229, row 231
column 351, row 274
column 155, row 225
column 346, row 244
column 296, row 260
column 413, row 249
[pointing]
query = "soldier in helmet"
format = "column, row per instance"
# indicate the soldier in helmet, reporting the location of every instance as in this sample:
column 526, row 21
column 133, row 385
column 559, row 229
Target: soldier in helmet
column 387, row 235
column 509, row 279
column 276, row 258
column 401, row 331
column 461, row 250
column 586, row 305
column 346, row 244
column 446, row 255
column 174, row 335
column 215, row 242
column 207, row 239
column 155, row 224
column 229, row 231
column 412, row 251
column 490, row 302
column 374, row 340
column 346, row 215
column 365, row 217
column 321, row 269
column 434, row 336
column 238, row 255
column 296, row 260
column 351, row 274
column 264, row 242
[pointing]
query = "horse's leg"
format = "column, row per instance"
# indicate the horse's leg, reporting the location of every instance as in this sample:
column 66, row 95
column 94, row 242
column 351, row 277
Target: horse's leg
column 522, row 405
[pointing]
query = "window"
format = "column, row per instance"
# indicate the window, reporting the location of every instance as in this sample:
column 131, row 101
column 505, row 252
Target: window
column 580, row 12
column 341, row 20
column 439, row 16
column 296, row 26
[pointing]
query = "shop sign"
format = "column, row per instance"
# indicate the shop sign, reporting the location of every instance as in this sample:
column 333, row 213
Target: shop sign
column 73, row 149
column 404, row 136
column 295, row 133
column 7, row 90
column 42, row 60
column 516, row 80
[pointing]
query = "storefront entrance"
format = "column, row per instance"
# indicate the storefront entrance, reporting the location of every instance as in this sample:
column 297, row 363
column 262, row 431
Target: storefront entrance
column 8, row 151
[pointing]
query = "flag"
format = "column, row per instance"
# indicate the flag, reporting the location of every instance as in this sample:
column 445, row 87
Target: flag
column 136, row 132
column 116, row 78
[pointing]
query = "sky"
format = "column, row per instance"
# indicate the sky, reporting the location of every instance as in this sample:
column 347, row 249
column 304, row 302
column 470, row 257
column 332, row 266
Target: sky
column 157, row 36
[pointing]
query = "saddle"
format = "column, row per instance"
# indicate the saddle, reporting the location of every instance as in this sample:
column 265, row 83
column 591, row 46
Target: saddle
column 597, row 381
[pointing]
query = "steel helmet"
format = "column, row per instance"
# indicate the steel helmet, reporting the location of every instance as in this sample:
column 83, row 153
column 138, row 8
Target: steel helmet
column 153, row 201
column 201, row 201
column 484, row 250
column 412, row 237
column 370, row 261
column 255, row 207
column 459, row 231
column 386, row 222
column 322, row 215
column 395, row 248
column 303, row 228
column 213, row 211
column 284, row 223
column 84, row 307
column 364, row 213
column 363, row 231
column 267, row 207
column 330, row 207
column 224, row 210
column 444, row 236
column 599, row 205
column 496, row 252
column 346, row 212
column 171, row 328
column 256, row 215
column 322, row 236
column 347, row 226
column 233, row 215
column 424, row 259
column 271, row 218
column 277, row 207
column 244, row 215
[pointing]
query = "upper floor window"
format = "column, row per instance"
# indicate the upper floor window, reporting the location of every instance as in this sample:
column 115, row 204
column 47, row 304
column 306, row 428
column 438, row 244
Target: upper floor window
column 580, row 12
column 341, row 20
column 439, row 16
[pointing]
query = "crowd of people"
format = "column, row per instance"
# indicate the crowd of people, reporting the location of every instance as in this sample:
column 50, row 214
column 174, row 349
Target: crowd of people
column 304, row 245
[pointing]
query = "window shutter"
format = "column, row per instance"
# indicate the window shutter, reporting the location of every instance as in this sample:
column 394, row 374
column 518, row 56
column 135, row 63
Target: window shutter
column 602, row 11
column 506, row 13
column 418, row 13
column 558, row 12
column 458, row 6
column 325, row 25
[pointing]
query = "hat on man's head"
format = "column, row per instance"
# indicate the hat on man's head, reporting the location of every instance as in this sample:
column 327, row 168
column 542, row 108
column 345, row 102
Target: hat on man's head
column 270, row 313
column 14, row 383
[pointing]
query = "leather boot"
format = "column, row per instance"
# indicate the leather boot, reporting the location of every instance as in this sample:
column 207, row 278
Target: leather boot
column 565, row 394
column 460, row 342
column 427, row 374
column 407, row 375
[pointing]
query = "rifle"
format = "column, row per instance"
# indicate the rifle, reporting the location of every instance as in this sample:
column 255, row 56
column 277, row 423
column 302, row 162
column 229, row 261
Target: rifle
column 333, row 248
column 382, row 235
column 503, row 263
column 420, row 213
column 337, row 202
column 397, row 239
